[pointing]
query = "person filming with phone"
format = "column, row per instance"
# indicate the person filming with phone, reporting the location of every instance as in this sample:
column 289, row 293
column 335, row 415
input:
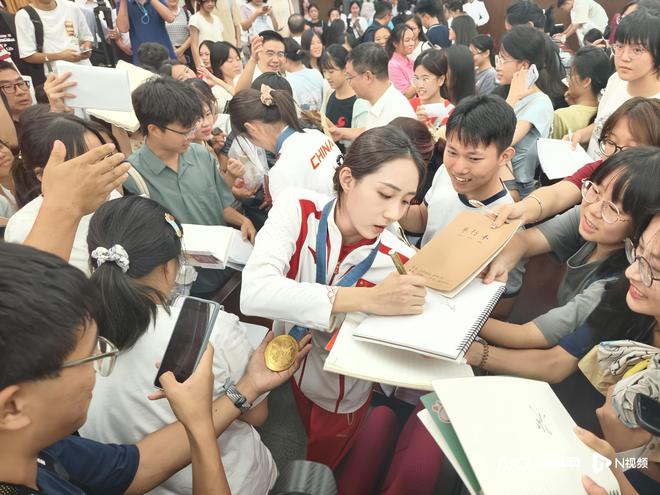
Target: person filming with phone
column 257, row 17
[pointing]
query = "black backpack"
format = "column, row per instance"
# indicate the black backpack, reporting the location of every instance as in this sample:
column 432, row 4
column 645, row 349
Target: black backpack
column 36, row 71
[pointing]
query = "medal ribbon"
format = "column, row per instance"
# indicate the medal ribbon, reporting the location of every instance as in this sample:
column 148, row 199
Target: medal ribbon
column 352, row 276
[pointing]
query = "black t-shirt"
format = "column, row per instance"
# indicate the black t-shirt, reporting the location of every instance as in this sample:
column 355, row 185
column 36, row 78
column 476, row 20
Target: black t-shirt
column 340, row 112
column 317, row 26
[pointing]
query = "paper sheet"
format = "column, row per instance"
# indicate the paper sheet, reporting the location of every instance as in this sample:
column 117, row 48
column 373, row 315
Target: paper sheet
column 104, row 88
column 558, row 158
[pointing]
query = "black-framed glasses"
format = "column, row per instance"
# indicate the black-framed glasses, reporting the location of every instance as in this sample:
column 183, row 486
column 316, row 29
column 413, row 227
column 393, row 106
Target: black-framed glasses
column 10, row 89
column 186, row 134
column 104, row 357
column 645, row 269
column 608, row 147
column 608, row 210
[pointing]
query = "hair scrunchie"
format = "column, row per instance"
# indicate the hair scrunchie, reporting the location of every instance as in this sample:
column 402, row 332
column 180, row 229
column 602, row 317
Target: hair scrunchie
column 116, row 254
column 266, row 97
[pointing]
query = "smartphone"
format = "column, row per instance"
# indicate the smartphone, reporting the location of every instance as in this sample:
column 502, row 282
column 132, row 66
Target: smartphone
column 189, row 338
column 532, row 75
column 86, row 50
column 647, row 413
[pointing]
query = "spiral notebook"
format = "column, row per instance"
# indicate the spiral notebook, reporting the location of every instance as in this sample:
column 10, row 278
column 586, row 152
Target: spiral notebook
column 445, row 329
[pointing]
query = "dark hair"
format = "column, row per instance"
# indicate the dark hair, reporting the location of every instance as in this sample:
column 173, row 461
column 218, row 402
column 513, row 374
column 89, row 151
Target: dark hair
column 435, row 61
column 483, row 42
column 335, row 56
column 4, row 65
column 335, row 33
column 375, row 147
column 419, row 135
column 270, row 35
column 382, row 9
column 313, row 6
column 525, row 43
column 465, row 29
column 152, row 55
column 332, row 9
column 454, row 5
column 163, row 101
column 138, row 225
column 650, row 6
column 246, row 106
column 432, row 8
column 273, row 80
column 39, row 130
column 292, row 50
column 296, row 24
column 643, row 116
column 641, row 27
column 403, row 18
column 199, row 3
column 594, row 63
column 220, row 52
column 165, row 69
column 483, row 120
column 208, row 44
column 370, row 57
column 396, row 38
column 204, row 93
column 594, row 34
column 44, row 303
column 561, row 3
column 460, row 77
column 306, row 44
column 523, row 12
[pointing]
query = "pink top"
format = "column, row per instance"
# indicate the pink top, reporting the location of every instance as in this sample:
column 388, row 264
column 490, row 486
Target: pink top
column 400, row 69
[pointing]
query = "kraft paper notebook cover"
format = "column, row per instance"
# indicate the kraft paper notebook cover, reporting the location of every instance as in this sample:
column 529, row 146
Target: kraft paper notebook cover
column 377, row 363
column 517, row 437
column 445, row 329
column 460, row 251
column 215, row 246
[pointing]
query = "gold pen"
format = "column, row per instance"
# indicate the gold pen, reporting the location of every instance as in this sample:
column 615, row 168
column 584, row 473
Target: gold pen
column 397, row 263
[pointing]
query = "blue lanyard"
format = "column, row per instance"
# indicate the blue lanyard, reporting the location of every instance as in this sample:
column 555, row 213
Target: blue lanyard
column 352, row 276
column 145, row 15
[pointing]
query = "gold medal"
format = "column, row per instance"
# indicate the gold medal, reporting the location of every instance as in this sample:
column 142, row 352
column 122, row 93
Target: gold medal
column 281, row 353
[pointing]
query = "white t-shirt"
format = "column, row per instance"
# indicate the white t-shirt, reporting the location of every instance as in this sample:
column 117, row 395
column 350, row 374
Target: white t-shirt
column 307, row 87
column 121, row 413
column 444, row 203
column 261, row 23
column 64, row 29
column 207, row 30
column 306, row 160
column 477, row 10
column 390, row 105
column 589, row 14
column 615, row 95
column 21, row 223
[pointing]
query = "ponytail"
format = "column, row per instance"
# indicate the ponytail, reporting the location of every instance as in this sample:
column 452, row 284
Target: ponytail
column 268, row 106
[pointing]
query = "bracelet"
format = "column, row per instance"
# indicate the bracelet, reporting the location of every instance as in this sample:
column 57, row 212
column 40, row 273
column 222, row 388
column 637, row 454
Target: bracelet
column 484, row 356
column 540, row 216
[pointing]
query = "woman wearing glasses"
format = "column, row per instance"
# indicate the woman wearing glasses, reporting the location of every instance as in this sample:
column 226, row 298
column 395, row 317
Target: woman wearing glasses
column 618, row 203
column 430, row 77
column 635, row 123
column 135, row 250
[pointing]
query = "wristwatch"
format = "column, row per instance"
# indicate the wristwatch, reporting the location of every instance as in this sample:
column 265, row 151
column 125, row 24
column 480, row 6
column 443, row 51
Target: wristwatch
column 237, row 397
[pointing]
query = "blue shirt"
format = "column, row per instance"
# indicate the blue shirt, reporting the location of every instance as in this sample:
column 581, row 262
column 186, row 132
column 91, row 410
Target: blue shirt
column 153, row 30
column 78, row 466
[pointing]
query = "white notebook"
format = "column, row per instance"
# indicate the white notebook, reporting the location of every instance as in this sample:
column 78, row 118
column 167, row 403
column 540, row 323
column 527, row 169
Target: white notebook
column 104, row 88
column 518, row 437
column 377, row 363
column 215, row 246
column 558, row 158
column 445, row 329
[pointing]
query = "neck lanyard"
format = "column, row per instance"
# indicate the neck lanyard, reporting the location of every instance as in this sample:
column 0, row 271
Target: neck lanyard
column 145, row 15
column 349, row 279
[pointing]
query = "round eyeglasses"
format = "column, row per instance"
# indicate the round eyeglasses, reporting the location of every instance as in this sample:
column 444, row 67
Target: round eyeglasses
column 104, row 357
column 645, row 269
column 608, row 147
column 608, row 210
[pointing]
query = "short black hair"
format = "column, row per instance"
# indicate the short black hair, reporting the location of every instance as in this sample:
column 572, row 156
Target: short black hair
column 641, row 27
column 524, row 12
column 453, row 5
column 594, row 34
column 4, row 65
column 162, row 101
column 429, row 7
column 370, row 57
column 334, row 57
column 296, row 24
column 152, row 55
column 482, row 120
column 592, row 62
column 561, row 2
column 381, row 9
column 270, row 35
column 273, row 80
column 44, row 303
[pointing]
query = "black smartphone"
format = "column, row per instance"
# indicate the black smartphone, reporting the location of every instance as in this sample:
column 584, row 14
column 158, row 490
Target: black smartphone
column 647, row 413
column 189, row 338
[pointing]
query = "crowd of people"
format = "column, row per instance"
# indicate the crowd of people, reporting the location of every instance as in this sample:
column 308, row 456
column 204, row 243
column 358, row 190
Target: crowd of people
column 329, row 140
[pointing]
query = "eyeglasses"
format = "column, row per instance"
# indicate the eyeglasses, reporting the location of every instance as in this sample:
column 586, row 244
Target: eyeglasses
column 10, row 89
column 187, row 134
column 608, row 147
column 608, row 210
column 104, row 357
column 350, row 78
column 634, row 51
column 422, row 80
column 645, row 269
column 499, row 60
column 273, row 53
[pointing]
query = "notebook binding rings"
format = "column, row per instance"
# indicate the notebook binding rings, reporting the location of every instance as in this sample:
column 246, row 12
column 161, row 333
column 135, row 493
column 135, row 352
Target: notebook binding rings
column 485, row 314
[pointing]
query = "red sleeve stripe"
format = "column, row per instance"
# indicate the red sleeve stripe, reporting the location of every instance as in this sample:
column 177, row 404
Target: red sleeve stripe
column 307, row 208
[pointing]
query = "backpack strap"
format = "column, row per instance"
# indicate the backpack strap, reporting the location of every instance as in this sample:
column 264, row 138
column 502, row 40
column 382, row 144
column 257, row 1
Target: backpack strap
column 141, row 185
column 38, row 27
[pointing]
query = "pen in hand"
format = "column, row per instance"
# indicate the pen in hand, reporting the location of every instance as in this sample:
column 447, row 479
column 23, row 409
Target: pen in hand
column 397, row 263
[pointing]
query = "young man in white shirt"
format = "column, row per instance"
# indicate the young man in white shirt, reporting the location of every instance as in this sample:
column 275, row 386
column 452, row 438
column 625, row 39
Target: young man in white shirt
column 66, row 34
column 477, row 10
column 366, row 72
column 585, row 15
